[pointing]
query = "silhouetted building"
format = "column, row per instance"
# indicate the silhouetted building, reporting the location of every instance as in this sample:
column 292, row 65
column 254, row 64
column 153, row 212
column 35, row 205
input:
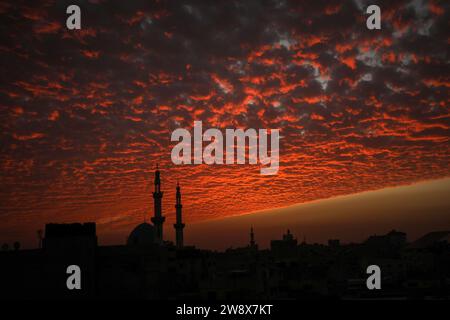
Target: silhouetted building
column 334, row 243
column 431, row 239
column 45, row 270
column 252, row 240
column 70, row 236
column 158, row 219
column 286, row 245
column 393, row 238
column 147, row 234
column 142, row 235
column 179, row 225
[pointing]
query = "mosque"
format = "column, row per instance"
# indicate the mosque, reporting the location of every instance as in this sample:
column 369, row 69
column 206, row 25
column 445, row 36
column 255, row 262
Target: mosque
column 147, row 234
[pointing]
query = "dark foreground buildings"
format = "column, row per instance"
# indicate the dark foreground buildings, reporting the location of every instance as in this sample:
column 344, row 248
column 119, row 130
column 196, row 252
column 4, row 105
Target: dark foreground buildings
column 149, row 267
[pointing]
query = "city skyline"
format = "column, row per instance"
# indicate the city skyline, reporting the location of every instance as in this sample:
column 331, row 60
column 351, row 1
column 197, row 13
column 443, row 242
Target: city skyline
column 316, row 221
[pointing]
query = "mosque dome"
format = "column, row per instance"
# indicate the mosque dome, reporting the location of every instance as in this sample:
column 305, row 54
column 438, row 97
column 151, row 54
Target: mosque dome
column 142, row 235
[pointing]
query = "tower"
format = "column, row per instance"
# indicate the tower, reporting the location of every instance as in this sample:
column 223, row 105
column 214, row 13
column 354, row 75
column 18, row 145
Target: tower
column 252, row 238
column 179, row 225
column 158, row 219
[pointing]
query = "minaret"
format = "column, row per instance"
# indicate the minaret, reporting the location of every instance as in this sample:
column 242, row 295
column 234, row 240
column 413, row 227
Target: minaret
column 179, row 225
column 158, row 218
column 252, row 238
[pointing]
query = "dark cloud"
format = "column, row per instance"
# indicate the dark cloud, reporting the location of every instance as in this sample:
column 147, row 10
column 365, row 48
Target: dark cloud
column 85, row 115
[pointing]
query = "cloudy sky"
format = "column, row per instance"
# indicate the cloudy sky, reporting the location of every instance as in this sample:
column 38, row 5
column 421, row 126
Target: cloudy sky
column 86, row 114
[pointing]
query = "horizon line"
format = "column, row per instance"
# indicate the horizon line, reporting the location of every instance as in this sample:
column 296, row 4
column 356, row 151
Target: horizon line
column 337, row 197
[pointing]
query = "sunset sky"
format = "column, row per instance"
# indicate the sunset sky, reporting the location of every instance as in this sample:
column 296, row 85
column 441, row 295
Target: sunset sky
column 86, row 115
